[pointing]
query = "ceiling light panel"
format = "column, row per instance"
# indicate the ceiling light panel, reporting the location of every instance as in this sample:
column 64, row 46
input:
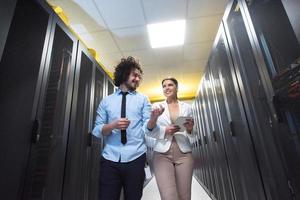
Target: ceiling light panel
column 166, row 34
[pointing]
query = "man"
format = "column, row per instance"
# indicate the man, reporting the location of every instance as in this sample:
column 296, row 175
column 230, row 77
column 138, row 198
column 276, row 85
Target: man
column 123, row 120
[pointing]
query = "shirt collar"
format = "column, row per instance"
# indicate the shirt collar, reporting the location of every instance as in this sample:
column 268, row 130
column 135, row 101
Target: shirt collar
column 118, row 91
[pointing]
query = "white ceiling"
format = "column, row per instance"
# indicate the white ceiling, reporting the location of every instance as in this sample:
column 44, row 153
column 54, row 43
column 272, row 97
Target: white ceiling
column 117, row 28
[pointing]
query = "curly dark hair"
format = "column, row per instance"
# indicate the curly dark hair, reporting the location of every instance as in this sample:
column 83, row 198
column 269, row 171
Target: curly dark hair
column 124, row 68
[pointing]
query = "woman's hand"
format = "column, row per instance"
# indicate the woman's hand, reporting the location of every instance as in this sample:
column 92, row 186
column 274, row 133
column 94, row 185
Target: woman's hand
column 189, row 125
column 171, row 129
column 157, row 111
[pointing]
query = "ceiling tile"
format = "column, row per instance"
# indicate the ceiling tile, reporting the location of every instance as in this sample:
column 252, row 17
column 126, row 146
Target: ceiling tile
column 90, row 9
column 202, row 29
column 197, row 51
column 194, row 66
column 120, row 14
column 78, row 15
column 131, row 39
column 199, row 8
column 110, row 60
column 164, row 10
column 146, row 57
column 168, row 55
column 102, row 42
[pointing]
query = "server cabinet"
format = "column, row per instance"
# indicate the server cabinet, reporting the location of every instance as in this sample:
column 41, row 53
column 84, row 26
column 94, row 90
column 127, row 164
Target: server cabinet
column 202, row 146
column 50, row 88
column 195, row 145
column 210, row 155
column 21, row 70
column 275, row 32
column 110, row 87
column 98, row 89
column 253, row 85
column 82, row 162
column 198, row 154
column 48, row 153
column 78, row 159
column 205, row 136
column 207, row 157
column 97, row 144
column 250, row 94
column 7, row 8
column 212, row 138
column 197, row 151
column 225, row 181
column 244, row 170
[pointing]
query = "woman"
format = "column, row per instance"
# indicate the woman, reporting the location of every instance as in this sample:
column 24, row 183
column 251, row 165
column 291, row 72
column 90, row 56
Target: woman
column 172, row 162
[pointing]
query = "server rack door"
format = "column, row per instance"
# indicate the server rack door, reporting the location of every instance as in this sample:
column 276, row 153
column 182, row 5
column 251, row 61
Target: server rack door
column 213, row 138
column 99, row 89
column 218, row 131
column 194, row 143
column 241, row 157
column 97, row 144
column 276, row 24
column 48, row 154
column 202, row 159
column 78, row 168
column 216, row 65
column 21, row 69
column 110, row 88
column 275, row 34
column 7, row 9
column 206, row 154
column 197, row 150
column 256, row 107
column 208, row 141
column 198, row 154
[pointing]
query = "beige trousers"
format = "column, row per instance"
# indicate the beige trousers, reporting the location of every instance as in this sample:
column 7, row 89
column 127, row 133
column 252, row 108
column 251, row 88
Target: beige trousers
column 173, row 172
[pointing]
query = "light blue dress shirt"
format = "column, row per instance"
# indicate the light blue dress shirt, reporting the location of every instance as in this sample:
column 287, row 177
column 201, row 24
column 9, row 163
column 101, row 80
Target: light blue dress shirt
column 138, row 110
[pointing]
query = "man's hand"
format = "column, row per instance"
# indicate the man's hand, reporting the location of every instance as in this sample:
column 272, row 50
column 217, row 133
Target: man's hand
column 121, row 124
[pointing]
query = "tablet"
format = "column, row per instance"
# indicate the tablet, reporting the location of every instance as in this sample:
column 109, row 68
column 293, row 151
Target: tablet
column 180, row 121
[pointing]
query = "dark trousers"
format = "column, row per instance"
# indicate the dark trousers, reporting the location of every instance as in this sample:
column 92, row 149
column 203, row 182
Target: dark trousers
column 115, row 175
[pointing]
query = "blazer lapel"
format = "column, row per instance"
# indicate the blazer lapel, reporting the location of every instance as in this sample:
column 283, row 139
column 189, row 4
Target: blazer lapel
column 181, row 111
column 166, row 114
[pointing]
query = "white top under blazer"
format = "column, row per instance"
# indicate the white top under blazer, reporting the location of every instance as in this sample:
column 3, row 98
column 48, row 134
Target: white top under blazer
column 162, row 143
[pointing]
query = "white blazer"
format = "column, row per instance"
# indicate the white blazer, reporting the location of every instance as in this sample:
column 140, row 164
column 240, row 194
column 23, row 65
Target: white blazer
column 162, row 143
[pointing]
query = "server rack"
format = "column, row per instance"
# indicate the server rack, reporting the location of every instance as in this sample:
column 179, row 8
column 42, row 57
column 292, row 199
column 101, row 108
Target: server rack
column 50, row 89
column 218, row 132
column 276, row 47
column 22, row 66
column 253, row 102
column 7, row 8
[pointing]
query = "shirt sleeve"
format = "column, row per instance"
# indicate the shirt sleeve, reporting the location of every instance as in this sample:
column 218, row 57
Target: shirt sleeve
column 101, row 119
column 159, row 130
column 146, row 112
